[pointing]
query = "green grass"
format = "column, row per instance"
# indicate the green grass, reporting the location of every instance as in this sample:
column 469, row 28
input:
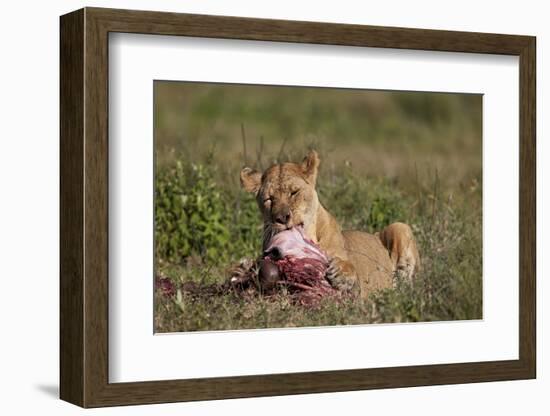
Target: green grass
column 385, row 157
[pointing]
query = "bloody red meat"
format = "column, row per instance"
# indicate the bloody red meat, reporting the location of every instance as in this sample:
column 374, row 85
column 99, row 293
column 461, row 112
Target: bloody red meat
column 302, row 265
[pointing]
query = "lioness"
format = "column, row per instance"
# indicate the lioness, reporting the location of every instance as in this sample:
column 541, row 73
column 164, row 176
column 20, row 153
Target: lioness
column 359, row 262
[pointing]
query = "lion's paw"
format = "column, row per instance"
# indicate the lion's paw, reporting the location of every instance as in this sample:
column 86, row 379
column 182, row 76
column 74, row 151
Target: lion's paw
column 242, row 272
column 341, row 275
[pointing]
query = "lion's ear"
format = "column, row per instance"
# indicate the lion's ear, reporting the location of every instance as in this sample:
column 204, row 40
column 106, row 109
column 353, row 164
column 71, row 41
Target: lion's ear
column 251, row 180
column 310, row 166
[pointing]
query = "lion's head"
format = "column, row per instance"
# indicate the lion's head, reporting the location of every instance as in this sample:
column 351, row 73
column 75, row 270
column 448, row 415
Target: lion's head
column 285, row 194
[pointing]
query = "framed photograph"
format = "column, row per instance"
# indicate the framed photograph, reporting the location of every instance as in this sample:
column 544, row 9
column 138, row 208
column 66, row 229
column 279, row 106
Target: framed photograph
column 255, row 207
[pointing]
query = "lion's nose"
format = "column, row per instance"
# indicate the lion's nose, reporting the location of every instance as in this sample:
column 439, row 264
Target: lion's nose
column 282, row 217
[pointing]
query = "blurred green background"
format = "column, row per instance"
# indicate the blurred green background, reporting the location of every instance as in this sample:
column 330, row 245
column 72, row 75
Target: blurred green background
column 385, row 156
column 379, row 132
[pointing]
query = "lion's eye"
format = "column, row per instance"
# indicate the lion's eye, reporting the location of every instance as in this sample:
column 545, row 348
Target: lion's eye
column 268, row 199
column 294, row 192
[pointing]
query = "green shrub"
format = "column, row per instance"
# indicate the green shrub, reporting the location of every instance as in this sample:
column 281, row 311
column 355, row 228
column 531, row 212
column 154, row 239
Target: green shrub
column 189, row 214
column 196, row 216
column 245, row 225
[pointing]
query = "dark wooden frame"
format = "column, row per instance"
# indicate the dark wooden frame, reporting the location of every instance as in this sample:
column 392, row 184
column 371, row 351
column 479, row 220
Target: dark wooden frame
column 84, row 207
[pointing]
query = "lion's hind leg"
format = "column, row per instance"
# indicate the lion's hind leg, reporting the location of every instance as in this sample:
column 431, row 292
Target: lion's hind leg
column 399, row 240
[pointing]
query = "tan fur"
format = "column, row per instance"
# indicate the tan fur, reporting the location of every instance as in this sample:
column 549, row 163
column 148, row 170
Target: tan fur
column 398, row 239
column 360, row 262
